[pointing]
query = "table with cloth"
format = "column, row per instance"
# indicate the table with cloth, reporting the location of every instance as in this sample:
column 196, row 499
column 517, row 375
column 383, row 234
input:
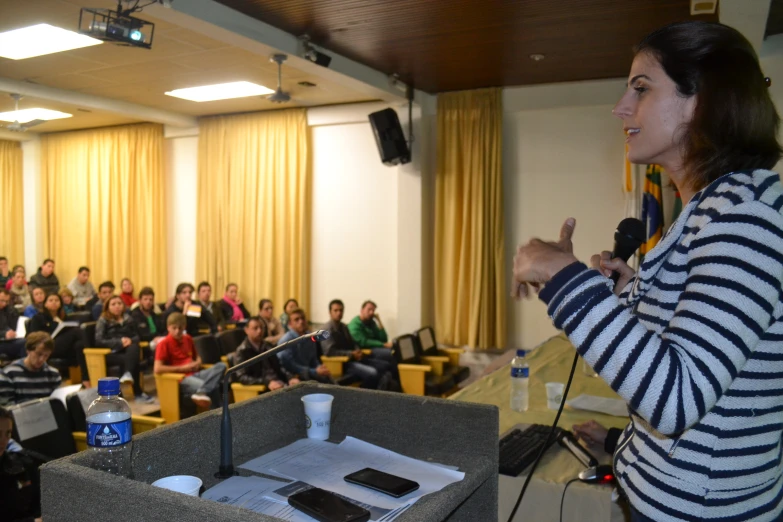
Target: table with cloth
column 550, row 362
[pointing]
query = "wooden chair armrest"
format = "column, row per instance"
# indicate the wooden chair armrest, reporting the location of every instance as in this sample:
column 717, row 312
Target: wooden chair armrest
column 142, row 423
column 437, row 362
column 231, row 326
column 80, row 439
column 243, row 392
column 424, row 368
column 452, row 350
column 453, row 354
column 254, row 387
column 207, row 365
column 335, row 364
column 168, row 395
column 170, row 376
column 204, row 331
column 335, row 358
column 97, row 351
column 144, row 344
column 367, row 351
column 224, row 360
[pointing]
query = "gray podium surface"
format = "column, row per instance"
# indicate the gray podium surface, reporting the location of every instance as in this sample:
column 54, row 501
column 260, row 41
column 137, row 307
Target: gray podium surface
column 448, row 432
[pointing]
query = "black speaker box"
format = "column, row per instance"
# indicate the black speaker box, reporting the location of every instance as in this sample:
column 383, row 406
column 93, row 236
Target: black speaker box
column 390, row 138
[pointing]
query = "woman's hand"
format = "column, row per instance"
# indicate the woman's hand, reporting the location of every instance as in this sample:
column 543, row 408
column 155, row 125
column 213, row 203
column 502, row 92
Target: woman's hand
column 591, row 432
column 604, row 263
column 126, row 341
column 538, row 261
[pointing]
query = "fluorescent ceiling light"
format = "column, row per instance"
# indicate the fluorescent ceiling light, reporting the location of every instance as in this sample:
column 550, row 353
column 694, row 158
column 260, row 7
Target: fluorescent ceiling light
column 25, row 115
column 220, row 91
column 41, row 39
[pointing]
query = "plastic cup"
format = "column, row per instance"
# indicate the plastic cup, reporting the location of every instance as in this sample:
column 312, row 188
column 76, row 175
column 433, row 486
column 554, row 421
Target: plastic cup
column 185, row 484
column 318, row 415
column 554, row 395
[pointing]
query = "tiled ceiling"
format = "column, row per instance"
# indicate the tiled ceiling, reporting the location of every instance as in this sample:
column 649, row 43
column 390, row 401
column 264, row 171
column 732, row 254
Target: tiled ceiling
column 178, row 58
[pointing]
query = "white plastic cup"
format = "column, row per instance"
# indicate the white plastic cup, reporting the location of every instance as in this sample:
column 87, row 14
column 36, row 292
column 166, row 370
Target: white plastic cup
column 185, row 484
column 554, row 395
column 318, row 415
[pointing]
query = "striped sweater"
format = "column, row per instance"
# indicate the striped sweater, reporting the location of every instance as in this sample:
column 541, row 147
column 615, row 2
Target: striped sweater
column 694, row 344
column 21, row 385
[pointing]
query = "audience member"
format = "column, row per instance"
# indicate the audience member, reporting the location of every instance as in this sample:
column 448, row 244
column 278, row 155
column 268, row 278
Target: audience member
column 126, row 287
column 204, row 299
column 5, row 273
column 105, row 291
column 267, row 372
column 83, row 292
column 149, row 324
column 31, row 377
column 39, row 296
column 20, row 484
column 177, row 354
column 14, row 270
column 288, row 307
column 194, row 315
column 274, row 328
column 367, row 329
column 20, row 293
column 45, row 278
column 233, row 309
column 68, row 343
column 303, row 359
column 10, row 344
column 67, row 297
column 368, row 368
column 6, row 390
column 117, row 331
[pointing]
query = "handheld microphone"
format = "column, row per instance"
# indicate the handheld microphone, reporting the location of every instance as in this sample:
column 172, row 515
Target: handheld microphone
column 628, row 237
column 226, row 433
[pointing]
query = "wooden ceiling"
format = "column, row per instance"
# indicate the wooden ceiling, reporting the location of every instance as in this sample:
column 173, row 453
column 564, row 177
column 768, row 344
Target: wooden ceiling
column 446, row 45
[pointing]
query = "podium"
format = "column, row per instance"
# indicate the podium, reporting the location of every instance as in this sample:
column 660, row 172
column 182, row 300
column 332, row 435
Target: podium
column 441, row 431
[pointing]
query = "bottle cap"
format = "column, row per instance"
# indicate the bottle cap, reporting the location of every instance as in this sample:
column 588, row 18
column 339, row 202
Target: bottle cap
column 520, row 353
column 109, row 386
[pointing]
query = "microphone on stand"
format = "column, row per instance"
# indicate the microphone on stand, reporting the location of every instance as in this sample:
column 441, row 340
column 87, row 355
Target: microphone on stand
column 226, row 469
column 628, row 237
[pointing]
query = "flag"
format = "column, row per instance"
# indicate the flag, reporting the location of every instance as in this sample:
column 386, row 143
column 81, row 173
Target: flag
column 652, row 208
column 677, row 206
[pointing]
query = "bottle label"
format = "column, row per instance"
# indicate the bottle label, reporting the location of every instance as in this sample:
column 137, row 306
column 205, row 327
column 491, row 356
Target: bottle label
column 109, row 434
column 520, row 372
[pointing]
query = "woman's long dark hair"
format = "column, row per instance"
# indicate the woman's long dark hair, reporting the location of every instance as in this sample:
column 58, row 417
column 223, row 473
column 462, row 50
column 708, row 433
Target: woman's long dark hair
column 735, row 124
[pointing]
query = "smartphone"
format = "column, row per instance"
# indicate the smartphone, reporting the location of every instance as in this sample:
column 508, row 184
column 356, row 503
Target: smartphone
column 325, row 506
column 383, row 482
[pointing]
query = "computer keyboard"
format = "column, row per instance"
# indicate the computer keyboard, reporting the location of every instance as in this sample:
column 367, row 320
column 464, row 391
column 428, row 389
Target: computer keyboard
column 519, row 448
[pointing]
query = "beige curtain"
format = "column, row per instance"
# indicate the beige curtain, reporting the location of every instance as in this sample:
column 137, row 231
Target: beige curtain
column 11, row 213
column 470, row 263
column 103, row 204
column 254, row 206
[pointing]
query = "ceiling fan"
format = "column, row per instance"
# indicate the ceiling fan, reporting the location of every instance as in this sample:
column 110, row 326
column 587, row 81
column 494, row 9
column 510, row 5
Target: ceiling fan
column 279, row 96
column 21, row 127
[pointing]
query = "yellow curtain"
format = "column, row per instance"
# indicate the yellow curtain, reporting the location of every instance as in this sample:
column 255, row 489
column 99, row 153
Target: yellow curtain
column 470, row 264
column 11, row 213
column 103, row 204
column 254, row 206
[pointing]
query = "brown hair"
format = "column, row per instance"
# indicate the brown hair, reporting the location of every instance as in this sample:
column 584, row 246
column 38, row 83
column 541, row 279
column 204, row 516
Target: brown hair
column 35, row 339
column 65, row 291
column 177, row 319
column 60, row 312
column 735, row 124
column 298, row 311
column 106, row 314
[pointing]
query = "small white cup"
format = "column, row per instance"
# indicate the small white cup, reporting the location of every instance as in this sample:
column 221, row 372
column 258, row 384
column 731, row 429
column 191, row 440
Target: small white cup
column 185, row 484
column 554, row 394
column 318, row 415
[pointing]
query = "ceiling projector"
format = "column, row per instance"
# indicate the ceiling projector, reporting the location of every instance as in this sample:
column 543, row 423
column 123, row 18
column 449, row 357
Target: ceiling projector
column 116, row 26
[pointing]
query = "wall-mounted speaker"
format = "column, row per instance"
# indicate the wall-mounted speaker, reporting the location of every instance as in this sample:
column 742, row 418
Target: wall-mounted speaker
column 390, row 138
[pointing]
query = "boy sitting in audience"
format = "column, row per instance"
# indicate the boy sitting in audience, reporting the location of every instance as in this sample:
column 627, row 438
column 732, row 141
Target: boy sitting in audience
column 39, row 296
column 11, row 346
column 5, row 274
column 302, row 360
column 194, row 315
column 67, row 297
column 83, row 292
column 150, row 325
column 105, row 291
column 45, row 278
column 204, row 299
column 20, row 294
column 31, row 377
column 177, row 354
column 267, row 372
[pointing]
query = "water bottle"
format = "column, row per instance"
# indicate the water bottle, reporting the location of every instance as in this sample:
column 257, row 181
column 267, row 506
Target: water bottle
column 520, row 374
column 109, row 429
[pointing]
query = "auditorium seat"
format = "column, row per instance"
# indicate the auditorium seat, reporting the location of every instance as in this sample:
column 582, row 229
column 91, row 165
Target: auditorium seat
column 208, row 349
column 429, row 348
column 417, row 377
column 230, row 340
column 242, row 392
column 53, row 444
column 79, row 317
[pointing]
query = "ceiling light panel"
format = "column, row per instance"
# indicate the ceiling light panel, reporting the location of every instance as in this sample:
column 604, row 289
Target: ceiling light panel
column 41, row 39
column 221, row 91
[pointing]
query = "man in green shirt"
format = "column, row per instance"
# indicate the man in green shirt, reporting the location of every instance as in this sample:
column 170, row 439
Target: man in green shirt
column 368, row 332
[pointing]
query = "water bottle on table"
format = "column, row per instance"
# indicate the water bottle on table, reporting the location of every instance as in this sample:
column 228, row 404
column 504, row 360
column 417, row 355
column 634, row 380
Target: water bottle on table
column 520, row 375
column 109, row 429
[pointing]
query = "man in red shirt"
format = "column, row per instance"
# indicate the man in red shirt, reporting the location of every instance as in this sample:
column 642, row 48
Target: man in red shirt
column 176, row 353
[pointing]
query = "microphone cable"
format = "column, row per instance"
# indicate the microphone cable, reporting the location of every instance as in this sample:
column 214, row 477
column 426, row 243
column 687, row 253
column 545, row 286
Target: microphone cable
column 549, row 439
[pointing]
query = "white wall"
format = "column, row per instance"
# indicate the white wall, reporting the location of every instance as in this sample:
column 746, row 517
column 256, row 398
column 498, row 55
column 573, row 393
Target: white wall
column 31, row 176
column 181, row 157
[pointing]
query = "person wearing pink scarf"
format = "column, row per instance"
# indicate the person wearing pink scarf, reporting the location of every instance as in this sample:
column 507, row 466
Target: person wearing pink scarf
column 231, row 305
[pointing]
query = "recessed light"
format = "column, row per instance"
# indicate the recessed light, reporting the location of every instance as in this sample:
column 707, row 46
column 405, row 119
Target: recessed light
column 26, row 115
column 220, row 91
column 41, row 39
column 537, row 57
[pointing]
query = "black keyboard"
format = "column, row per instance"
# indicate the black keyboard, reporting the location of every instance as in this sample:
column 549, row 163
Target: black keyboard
column 519, row 448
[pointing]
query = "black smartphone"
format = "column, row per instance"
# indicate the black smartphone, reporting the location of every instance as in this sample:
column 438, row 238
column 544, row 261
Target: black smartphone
column 325, row 506
column 383, row 482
